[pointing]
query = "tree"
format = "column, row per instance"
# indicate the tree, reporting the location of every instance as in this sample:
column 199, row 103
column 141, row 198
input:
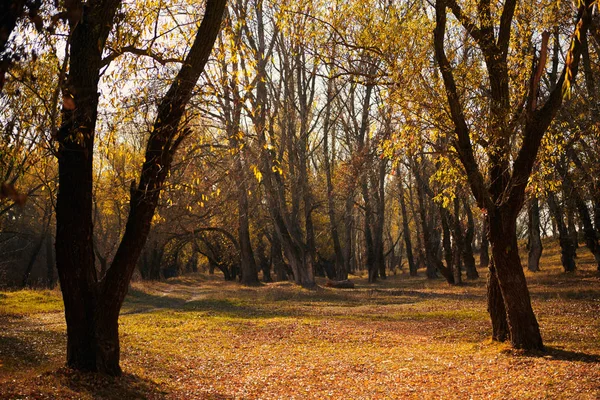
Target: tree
column 92, row 303
column 502, row 194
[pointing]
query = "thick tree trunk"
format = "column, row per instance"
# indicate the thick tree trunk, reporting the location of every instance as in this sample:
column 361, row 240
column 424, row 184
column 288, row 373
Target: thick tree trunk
column 74, row 227
column 522, row 323
column 92, row 305
column 535, row 241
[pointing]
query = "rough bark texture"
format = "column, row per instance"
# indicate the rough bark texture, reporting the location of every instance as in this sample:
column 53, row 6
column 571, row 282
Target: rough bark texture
column 523, row 326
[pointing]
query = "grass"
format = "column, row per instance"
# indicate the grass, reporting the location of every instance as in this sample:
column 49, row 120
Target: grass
column 201, row 337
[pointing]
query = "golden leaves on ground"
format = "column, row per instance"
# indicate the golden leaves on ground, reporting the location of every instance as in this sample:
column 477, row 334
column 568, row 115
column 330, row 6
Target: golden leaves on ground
column 199, row 337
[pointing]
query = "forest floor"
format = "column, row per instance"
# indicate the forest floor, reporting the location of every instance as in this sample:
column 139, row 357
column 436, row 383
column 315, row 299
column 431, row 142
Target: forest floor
column 198, row 337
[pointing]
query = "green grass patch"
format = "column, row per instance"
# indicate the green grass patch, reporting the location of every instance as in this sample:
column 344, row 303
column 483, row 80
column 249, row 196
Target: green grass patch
column 25, row 302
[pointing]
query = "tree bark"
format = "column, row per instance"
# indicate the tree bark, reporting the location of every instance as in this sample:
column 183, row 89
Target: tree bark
column 50, row 277
column 591, row 239
column 34, row 255
column 467, row 255
column 340, row 265
column 412, row 267
column 502, row 195
column 567, row 249
column 496, row 308
column 91, row 305
column 535, row 241
column 484, row 255
column 523, row 326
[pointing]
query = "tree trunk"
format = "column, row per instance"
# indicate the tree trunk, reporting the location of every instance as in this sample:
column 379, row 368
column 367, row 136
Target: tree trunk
column 379, row 219
column 277, row 259
column 535, row 241
column 522, row 323
column 341, row 269
column 496, row 308
column 484, row 255
column 50, row 277
column 233, row 110
column 348, row 230
column 591, row 239
column 412, row 267
column 34, row 255
column 458, row 245
column 567, row 249
column 446, row 238
column 571, row 228
column 467, row 255
column 248, row 264
column 92, row 305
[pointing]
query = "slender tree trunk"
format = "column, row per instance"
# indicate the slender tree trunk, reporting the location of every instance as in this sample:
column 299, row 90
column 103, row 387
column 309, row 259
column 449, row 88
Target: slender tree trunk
column 467, row 254
column 341, row 269
column 430, row 258
column 50, row 266
column 419, row 235
column 233, row 110
column 535, row 241
column 247, row 262
column 567, row 249
column 379, row 221
column 348, row 233
column 458, row 245
column 591, row 239
column 484, row 255
column 446, row 238
column 34, row 255
column 412, row 267
column 571, row 228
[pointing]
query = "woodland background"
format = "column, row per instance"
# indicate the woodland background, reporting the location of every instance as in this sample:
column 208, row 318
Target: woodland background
column 321, row 140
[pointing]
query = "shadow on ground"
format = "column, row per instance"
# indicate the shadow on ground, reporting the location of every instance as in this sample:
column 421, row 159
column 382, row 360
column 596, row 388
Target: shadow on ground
column 66, row 383
column 558, row 354
column 271, row 302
